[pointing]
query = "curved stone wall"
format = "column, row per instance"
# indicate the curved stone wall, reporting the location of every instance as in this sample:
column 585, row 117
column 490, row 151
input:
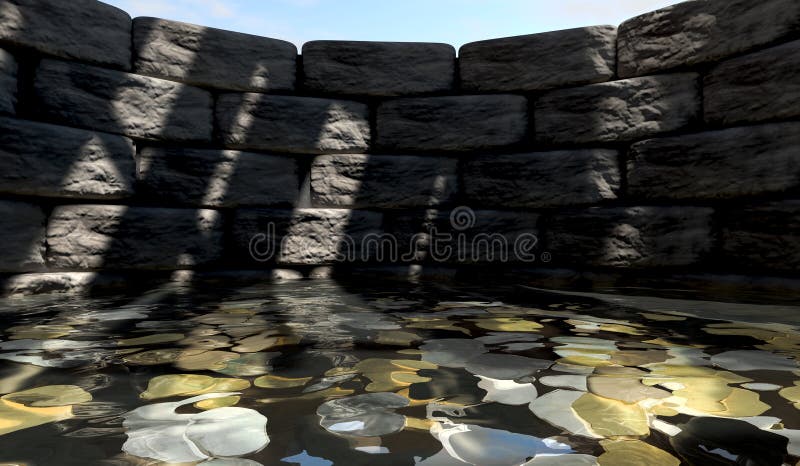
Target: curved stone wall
column 666, row 150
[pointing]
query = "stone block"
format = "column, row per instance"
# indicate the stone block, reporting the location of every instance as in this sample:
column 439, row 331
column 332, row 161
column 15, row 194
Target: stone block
column 378, row 68
column 22, row 246
column 388, row 181
column 735, row 162
column 38, row 159
column 117, row 102
column 205, row 56
column 536, row 62
column 458, row 123
column 757, row 87
column 305, row 236
column 701, row 31
column 304, row 125
column 542, row 179
column 618, row 111
column 8, row 82
column 85, row 30
column 122, row 237
column 764, row 237
column 217, row 178
column 465, row 236
column 634, row 237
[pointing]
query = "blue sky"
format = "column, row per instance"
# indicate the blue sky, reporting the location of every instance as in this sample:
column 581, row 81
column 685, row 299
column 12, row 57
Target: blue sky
column 454, row 22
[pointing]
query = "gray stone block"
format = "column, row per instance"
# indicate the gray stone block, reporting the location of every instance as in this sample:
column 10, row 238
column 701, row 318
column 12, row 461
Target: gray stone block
column 765, row 237
column 85, row 30
column 302, row 125
column 536, row 62
column 630, row 237
column 543, row 179
column 465, row 236
column 117, row 102
column 217, row 178
column 378, row 68
column 458, row 123
column 305, row 236
column 8, row 82
column 757, row 87
column 389, row 181
column 122, row 237
column 618, row 111
column 212, row 57
column 735, row 162
column 701, row 31
column 38, row 159
column 22, row 246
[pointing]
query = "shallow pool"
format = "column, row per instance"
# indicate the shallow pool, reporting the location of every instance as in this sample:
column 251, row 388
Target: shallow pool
column 323, row 372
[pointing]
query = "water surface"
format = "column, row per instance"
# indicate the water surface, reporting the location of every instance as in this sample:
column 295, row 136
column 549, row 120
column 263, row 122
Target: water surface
column 322, row 372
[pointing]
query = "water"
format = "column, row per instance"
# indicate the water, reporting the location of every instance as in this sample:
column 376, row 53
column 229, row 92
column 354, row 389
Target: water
column 398, row 374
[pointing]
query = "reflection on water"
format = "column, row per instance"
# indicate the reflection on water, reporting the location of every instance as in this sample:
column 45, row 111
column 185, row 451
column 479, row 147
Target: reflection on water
column 320, row 373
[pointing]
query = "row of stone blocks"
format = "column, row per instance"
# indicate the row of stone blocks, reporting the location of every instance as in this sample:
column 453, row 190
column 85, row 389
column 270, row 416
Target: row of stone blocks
column 44, row 160
column 90, row 237
column 751, row 89
column 683, row 35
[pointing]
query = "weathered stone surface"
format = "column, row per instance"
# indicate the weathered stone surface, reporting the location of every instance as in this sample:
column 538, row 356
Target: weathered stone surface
column 701, row 31
column 117, row 102
column 22, row 237
column 390, row 181
column 305, row 236
column 39, row 159
column 543, row 179
column 212, row 57
column 122, row 237
column 465, row 236
column 217, row 178
column 723, row 164
column 85, row 30
column 757, row 87
column 536, row 62
column 8, row 82
column 378, row 68
column 618, row 111
column 630, row 236
column 64, row 282
column 452, row 123
column 766, row 237
column 293, row 124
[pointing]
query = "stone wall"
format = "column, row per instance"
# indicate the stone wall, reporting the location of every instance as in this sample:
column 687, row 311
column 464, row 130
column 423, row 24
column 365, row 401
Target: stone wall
column 666, row 147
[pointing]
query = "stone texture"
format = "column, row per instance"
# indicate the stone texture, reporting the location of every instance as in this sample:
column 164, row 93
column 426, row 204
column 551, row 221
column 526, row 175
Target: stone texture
column 22, row 245
column 630, row 236
column 8, row 82
column 765, row 237
column 618, row 111
column 65, row 282
column 543, row 179
column 722, row 164
column 757, row 87
column 85, row 30
column 536, row 62
column 389, row 181
column 38, row 159
column 117, row 102
column 701, row 31
column 293, row 124
column 217, row 178
column 122, row 237
column 378, row 68
column 304, row 236
column 464, row 236
column 212, row 57
column 452, row 123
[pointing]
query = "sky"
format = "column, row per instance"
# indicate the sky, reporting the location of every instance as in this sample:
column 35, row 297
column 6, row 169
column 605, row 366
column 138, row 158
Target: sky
column 455, row 22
